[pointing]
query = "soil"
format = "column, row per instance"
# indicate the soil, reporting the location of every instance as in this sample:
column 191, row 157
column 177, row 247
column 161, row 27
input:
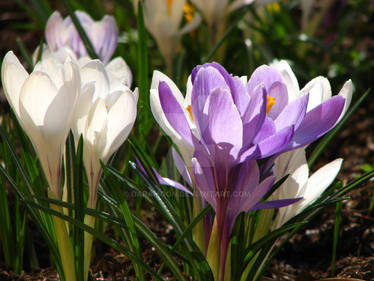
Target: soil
column 307, row 256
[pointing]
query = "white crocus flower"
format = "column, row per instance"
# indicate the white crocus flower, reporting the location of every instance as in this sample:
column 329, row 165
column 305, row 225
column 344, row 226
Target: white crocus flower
column 299, row 184
column 43, row 102
column 162, row 19
column 215, row 11
column 185, row 148
column 105, row 114
column 319, row 88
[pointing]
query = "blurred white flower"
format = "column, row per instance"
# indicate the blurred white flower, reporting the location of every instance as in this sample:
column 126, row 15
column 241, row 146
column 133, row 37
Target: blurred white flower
column 44, row 102
column 103, row 34
column 299, row 184
column 215, row 11
column 162, row 19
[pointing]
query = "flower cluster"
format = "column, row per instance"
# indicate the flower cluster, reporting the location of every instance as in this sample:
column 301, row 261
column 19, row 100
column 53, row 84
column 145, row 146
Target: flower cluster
column 69, row 91
column 235, row 136
column 226, row 123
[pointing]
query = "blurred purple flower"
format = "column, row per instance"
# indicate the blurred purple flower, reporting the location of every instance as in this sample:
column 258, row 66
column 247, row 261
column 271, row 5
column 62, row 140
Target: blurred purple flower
column 103, row 34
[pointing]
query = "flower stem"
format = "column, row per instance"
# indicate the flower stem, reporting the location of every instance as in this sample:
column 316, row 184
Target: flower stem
column 88, row 240
column 198, row 230
column 64, row 246
column 213, row 253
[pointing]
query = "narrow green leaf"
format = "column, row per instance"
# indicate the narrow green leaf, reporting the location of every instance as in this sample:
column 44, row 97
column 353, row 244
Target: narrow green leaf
column 83, row 35
column 25, row 54
column 109, row 241
column 338, row 218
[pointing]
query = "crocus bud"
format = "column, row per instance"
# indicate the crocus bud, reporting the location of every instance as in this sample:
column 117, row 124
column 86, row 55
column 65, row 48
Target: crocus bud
column 103, row 34
column 44, row 102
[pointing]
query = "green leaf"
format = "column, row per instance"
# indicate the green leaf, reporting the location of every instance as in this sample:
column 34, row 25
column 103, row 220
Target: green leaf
column 82, row 34
column 107, row 240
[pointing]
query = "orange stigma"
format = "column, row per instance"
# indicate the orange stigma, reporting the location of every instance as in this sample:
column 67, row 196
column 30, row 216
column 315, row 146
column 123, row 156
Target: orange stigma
column 269, row 104
column 189, row 109
column 169, row 3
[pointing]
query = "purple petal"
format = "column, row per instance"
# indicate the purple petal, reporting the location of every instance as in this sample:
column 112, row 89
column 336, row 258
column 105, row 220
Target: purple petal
column 276, row 143
column 259, row 192
column 279, row 92
column 104, row 37
column 245, row 180
column 255, row 116
column 293, row 113
column 240, row 95
column 267, row 130
column 207, row 79
column 215, row 65
column 173, row 112
column 275, row 204
column 251, row 153
column 170, row 182
column 53, row 30
column 318, row 121
column 265, row 75
column 162, row 180
column 181, row 166
column 204, row 180
column 225, row 124
column 237, row 88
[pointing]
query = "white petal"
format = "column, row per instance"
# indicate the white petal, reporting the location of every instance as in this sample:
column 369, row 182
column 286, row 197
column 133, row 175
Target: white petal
column 319, row 90
column 289, row 77
column 95, row 134
column 191, row 25
column 294, row 164
column 136, row 94
column 37, row 94
column 346, row 92
column 121, row 119
column 82, row 108
column 239, row 3
column 53, row 30
column 95, row 71
column 158, row 77
column 119, row 73
column 13, row 76
column 321, row 179
column 177, row 8
column 187, row 99
column 159, row 115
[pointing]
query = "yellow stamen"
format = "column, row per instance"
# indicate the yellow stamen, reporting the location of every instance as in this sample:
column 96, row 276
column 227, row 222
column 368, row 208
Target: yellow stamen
column 273, row 8
column 270, row 103
column 189, row 12
column 189, row 109
column 169, row 3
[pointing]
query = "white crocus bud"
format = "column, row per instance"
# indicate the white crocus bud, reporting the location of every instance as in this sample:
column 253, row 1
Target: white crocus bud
column 299, row 184
column 44, row 102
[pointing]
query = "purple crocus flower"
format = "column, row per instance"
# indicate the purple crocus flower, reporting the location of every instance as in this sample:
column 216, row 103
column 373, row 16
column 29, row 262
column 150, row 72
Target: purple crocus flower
column 227, row 123
column 230, row 189
column 252, row 120
column 103, row 34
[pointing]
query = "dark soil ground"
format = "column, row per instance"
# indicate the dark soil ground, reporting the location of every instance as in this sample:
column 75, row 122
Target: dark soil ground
column 306, row 257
